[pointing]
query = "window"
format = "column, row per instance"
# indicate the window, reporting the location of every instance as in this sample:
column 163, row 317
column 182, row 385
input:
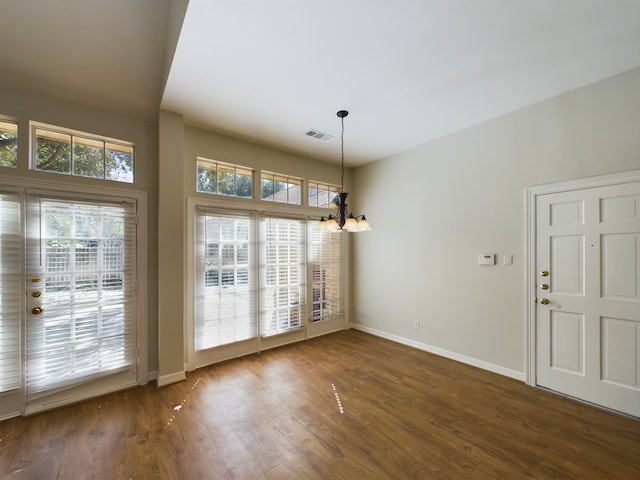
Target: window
column 254, row 275
column 8, row 144
column 321, row 194
column 82, row 155
column 325, row 264
column 224, row 179
column 226, row 286
column 9, row 291
column 282, row 274
column 280, row 188
column 87, row 275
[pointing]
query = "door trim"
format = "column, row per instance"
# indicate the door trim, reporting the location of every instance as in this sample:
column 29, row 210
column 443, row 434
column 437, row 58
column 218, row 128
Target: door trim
column 530, row 195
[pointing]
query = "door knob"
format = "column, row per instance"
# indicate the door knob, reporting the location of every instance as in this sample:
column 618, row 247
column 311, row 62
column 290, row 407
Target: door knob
column 544, row 301
column 544, row 286
column 544, row 273
column 37, row 310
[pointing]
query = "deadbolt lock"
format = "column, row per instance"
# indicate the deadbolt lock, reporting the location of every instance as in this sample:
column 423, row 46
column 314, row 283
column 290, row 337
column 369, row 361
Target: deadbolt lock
column 544, row 273
column 544, row 286
column 36, row 293
column 37, row 310
column 544, row 301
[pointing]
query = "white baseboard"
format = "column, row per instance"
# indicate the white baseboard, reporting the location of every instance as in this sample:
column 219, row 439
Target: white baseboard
column 507, row 372
column 171, row 378
column 151, row 376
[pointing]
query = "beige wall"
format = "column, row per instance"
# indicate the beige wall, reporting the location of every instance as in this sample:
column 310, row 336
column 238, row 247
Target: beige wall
column 25, row 107
column 435, row 207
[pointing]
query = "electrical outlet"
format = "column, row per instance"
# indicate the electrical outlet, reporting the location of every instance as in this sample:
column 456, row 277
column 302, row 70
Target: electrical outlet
column 416, row 324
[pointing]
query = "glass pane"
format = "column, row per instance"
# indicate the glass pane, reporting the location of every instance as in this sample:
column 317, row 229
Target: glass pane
column 267, row 187
column 118, row 163
column 206, row 181
column 8, row 144
column 226, row 180
column 244, row 188
column 53, row 151
column 225, row 311
column 87, row 324
column 88, row 157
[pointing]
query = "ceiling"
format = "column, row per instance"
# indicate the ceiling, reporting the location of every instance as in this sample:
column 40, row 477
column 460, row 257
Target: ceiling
column 408, row 71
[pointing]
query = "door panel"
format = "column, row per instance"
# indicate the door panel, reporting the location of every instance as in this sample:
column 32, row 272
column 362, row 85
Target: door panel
column 620, row 266
column 620, row 360
column 567, row 342
column 567, row 264
column 588, row 325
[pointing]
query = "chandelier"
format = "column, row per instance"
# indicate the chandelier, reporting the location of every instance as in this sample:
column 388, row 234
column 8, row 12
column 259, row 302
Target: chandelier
column 343, row 219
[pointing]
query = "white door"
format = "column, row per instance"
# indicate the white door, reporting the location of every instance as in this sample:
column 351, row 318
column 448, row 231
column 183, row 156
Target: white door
column 588, row 295
column 69, row 331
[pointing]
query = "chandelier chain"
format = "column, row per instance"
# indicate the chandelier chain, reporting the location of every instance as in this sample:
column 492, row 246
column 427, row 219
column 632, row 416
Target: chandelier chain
column 342, row 155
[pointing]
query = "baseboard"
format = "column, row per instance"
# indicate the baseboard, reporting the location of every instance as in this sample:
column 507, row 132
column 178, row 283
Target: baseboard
column 171, row 378
column 507, row 372
column 151, row 376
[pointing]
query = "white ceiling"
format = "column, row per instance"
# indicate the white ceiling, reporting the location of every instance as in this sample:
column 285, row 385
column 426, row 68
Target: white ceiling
column 409, row 71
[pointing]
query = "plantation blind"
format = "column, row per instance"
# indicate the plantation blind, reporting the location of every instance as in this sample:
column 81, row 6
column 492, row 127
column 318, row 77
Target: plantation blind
column 84, row 254
column 325, row 273
column 282, row 274
column 225, row 303
column 10, row 239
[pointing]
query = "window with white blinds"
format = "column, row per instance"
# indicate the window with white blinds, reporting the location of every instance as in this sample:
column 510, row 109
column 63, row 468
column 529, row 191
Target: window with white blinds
column 282, row 274
column 10, row 295
column 324, row 267
column 225, row 306
column 84, row 256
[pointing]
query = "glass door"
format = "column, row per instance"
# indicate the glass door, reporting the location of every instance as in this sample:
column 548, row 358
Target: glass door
column 80, row 332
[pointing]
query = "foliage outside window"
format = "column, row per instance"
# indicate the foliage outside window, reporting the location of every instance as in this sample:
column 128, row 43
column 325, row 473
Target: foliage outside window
column 8, row 144
column 321, row 194
column 224, row 179
column 280, row 188
column 83, row 156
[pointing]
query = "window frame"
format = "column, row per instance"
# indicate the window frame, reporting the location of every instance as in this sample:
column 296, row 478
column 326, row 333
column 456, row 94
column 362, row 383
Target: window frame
column 108, row 144
column 290, row 181
column 228, row 167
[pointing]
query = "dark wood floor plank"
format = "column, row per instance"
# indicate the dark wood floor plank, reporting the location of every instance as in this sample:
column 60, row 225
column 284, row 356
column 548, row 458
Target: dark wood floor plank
column 343, row 406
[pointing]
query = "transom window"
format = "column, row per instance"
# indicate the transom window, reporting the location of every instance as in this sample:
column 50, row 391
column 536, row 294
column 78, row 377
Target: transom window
column 280, row 188
column 321, row 194
column 8, row 144
column 224, row 179
column 83, row 155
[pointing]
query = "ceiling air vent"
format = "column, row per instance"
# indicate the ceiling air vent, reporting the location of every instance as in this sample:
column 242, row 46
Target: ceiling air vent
column 319, row 135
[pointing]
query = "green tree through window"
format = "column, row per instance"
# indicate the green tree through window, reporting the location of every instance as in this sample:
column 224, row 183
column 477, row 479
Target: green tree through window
column 82, row 156
column 8, row 144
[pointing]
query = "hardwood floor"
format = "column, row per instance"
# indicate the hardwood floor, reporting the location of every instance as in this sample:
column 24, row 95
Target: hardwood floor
column 345, row 406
